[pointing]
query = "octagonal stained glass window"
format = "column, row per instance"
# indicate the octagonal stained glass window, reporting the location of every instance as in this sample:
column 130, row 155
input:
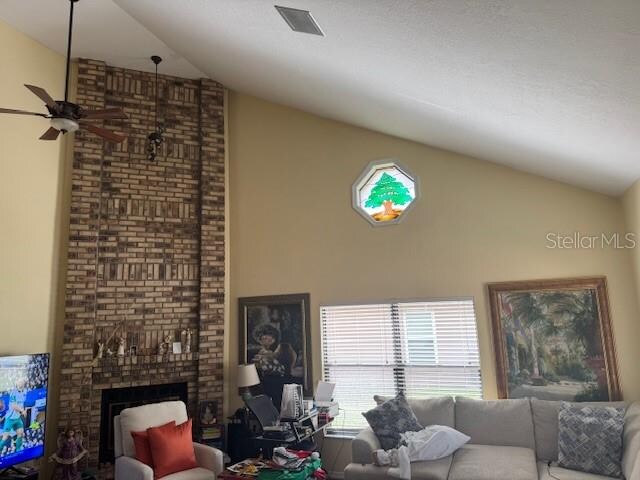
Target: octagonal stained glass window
column 384, row 192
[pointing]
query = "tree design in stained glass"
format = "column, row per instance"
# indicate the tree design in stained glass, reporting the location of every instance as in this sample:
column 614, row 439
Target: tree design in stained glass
column 384, row 192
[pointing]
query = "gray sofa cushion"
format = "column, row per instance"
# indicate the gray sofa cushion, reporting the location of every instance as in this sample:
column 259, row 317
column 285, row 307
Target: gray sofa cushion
column 490, row 462
column 435, row 470
column 545, row 423
column 391, row 419
column 590, row 438
column 496, row 422
column 631, row 440
column 429, row 411
column 564, row 473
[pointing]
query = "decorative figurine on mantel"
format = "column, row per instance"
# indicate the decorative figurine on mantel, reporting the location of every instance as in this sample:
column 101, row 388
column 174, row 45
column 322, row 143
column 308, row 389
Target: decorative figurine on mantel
column 114, row 345
column 165, row 346
column 70, row 452
column 100, row 352
column 186, row 348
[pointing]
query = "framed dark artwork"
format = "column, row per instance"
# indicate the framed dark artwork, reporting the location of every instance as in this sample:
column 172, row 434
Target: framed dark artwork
column 553, row 340
column 208, row 413
column 275, row 335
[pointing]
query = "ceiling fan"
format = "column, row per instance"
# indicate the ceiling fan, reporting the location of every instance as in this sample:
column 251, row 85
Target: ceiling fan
column 66, row 116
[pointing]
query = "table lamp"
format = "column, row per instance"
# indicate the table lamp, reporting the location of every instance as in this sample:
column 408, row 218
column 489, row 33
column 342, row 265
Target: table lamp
column 247, row 378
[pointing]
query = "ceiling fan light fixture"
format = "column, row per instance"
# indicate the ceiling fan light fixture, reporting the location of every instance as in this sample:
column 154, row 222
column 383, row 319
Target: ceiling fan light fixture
column 63, row 114
column 64, row 124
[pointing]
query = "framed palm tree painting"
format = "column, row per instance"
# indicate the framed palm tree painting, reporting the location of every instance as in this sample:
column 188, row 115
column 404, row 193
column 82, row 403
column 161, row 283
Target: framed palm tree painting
column 553, row 340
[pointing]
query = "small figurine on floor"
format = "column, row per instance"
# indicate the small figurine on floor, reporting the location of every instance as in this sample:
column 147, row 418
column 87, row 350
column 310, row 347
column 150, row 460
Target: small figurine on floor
column 70, row 452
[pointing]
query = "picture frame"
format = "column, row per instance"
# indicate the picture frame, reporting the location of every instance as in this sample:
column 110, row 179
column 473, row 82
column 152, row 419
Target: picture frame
column 207, row 413
column 275, row 334
column 553, row 340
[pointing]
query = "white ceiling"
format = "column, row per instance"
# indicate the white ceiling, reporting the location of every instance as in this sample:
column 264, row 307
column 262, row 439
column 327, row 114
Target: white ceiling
column 550, row 87
column 102, row 31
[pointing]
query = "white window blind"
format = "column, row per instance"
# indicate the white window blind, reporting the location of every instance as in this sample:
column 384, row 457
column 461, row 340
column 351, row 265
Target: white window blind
column 424, row 349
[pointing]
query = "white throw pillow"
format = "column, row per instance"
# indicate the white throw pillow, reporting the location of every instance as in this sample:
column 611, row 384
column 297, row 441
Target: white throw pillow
column 433, row 442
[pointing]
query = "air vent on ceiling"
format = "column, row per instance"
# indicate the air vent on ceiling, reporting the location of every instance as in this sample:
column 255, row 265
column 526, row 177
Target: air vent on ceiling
column 300, row 20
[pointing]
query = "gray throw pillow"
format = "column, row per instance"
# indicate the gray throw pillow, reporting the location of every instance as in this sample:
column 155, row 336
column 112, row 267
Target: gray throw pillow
column 590, row 438
column 391, row 419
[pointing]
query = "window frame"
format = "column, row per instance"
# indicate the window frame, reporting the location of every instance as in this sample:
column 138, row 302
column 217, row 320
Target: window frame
column 338, row 431
column 366, row 173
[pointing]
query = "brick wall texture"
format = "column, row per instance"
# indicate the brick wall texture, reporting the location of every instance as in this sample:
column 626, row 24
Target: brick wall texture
column 146, row 252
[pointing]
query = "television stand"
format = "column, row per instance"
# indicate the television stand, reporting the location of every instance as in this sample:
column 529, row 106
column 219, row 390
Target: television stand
column 15, row 473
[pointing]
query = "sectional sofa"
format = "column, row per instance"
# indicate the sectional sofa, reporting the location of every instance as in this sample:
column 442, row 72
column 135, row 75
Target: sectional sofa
column 510, row 440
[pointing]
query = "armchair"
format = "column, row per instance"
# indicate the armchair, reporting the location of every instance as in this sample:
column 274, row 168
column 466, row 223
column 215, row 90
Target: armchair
column 210, row 460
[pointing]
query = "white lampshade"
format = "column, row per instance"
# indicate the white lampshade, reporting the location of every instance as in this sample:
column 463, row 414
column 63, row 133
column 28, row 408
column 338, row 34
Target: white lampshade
column 247, row 376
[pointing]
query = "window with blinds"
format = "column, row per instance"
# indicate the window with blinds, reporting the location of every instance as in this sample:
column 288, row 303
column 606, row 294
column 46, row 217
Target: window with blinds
column 424, row 349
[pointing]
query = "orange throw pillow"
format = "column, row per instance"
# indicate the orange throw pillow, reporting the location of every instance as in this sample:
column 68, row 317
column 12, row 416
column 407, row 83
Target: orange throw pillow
column 141, row 444
column 172, row 448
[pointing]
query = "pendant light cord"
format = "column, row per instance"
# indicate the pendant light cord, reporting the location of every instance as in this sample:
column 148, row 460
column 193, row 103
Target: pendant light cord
column 156, row 94
column 66, row 79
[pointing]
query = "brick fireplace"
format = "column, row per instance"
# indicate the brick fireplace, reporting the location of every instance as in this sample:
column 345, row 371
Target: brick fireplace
column 146, row 247
column 114, row 400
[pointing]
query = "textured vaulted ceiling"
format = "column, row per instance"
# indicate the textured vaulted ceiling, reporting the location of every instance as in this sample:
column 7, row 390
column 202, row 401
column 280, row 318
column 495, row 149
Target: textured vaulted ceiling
column 550, row 87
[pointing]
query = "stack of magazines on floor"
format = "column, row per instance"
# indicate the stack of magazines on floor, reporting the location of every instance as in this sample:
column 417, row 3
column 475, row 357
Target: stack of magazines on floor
column 285, row 465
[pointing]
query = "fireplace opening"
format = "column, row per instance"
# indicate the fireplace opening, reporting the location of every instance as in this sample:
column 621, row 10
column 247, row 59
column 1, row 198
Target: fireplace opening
column 115, row 400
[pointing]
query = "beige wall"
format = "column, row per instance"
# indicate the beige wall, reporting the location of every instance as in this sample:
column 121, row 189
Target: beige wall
column 33, row 199
column 631, row 203
column 31, row 174
column 293, row 228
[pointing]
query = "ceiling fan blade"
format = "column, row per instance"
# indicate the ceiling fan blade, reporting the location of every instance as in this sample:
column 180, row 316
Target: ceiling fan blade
column 104, row 133
column 105, row 114
column 42, row 94
column 20, row 112
column 50, row 134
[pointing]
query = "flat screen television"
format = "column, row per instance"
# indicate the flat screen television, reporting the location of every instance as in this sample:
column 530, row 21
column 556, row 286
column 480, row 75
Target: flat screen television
column 23, row 406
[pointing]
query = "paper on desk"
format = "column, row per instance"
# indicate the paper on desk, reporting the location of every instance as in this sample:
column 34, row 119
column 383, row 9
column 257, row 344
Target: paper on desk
column 324, row 391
